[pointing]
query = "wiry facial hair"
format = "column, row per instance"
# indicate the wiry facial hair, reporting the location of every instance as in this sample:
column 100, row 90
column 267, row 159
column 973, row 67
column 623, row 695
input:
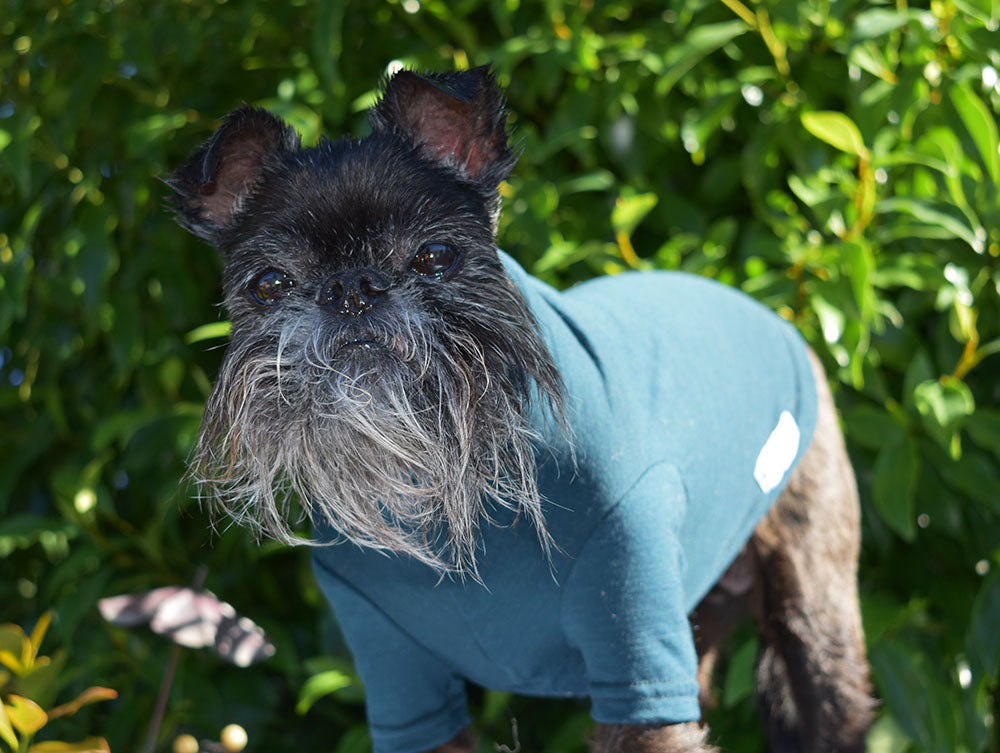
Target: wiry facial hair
column 403, row 446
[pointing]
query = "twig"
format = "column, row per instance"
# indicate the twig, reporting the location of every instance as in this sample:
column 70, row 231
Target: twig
column 168, row 677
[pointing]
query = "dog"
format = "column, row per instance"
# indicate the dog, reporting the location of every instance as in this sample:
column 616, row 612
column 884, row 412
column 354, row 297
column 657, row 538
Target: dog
column 554, row 493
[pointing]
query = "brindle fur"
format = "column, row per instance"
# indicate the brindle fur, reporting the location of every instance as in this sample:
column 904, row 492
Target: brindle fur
column 798, row 577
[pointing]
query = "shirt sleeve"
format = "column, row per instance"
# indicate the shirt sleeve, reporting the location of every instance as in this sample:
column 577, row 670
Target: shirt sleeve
column 624, row 610
column 414, row 701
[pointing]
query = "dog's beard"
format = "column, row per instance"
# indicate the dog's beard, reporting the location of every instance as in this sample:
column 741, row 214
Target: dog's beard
column 403, row 442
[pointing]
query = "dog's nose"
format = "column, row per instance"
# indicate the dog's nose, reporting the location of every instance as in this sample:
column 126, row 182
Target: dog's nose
column 354, row 291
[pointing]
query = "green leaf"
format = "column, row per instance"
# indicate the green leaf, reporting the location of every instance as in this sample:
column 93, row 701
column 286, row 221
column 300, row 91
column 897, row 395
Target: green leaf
column 26, row 715
column 944, row 404
column 356, row 740
column 321, row 685
column 44, row 681
column 981, row 126
column 739, row 682
column 629, row 211
column 860, row 265
column 932, row 214
column 886, row 737
column 976, row 475
column 495, row 703
column 878, row 21
column 837, row 130
column 869, row 57
column 984, row 429
column 596, row 180
column 896, row 473
column 983, row 636
column 702, row 40
column 872, row 426
column 210, row 331
column 915, row 696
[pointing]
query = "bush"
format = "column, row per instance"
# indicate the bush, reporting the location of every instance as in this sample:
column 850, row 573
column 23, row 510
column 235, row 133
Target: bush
column 839, row 161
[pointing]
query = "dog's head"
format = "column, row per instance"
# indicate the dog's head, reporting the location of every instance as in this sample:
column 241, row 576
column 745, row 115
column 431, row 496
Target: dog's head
column 381, row 363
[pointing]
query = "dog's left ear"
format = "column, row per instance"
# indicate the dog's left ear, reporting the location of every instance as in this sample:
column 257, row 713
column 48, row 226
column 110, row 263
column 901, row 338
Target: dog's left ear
column 456, row 119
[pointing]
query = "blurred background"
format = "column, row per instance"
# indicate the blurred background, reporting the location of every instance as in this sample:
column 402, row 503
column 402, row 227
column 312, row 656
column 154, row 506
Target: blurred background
column 836, row 159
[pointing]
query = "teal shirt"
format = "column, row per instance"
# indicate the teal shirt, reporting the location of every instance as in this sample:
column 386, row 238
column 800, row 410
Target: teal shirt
column 689, row 404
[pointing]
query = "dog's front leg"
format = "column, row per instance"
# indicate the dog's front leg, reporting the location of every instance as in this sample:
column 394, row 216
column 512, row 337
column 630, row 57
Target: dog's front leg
column 668, row 738
column 463, row 742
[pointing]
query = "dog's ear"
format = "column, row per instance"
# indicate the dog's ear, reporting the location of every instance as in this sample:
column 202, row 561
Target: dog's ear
column 456, row 119
column 212, row 185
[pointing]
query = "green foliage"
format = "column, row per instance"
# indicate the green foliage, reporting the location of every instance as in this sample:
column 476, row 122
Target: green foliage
column 30, row 681
column 837, row 160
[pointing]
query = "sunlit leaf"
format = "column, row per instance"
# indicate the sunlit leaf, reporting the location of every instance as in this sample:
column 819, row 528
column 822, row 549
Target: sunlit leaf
column 7, row 733
column 630, row 209
column 878, row 21
column 837, row 130
column 90, row 745
column 37, row 635
column 700, row 42
column 981, row 126
column 944, row 405
column 935, row 216
column 321, row 685
column 211, row 331
column 12, row 662
column 26, row 715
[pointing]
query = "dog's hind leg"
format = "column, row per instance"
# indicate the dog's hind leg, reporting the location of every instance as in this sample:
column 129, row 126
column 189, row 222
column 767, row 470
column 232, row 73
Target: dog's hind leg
column 689, row 737
column 812, row 676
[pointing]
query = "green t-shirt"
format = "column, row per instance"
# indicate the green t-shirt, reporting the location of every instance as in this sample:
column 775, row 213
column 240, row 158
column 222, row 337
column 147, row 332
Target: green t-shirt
column 689, row 403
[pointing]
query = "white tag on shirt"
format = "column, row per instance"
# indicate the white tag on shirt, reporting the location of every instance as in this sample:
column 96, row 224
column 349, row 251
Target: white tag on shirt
column 777, row 454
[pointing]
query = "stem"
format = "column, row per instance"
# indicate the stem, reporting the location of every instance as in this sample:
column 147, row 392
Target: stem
column 168, row 677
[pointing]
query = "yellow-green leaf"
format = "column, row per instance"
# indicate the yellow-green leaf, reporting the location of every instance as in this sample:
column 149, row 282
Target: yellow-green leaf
column 36, row 637
column 209, row 331
column 26, row 715
column 90, row 695
column 7, row 733
column 11, row 661
column 321, row 685
column 630, row 210
column 90, row 745
column 837, row 130
column 12, row 640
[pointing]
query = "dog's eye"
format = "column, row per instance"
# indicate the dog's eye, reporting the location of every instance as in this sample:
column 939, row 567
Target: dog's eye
column 434, row 260
column 271, row 287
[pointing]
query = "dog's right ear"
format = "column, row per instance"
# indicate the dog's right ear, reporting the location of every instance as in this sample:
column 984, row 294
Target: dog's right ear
column 211, row 187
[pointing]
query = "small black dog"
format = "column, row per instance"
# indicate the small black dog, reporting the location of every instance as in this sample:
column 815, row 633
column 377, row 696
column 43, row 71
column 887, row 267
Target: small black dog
column 527, row 489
